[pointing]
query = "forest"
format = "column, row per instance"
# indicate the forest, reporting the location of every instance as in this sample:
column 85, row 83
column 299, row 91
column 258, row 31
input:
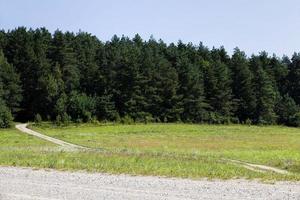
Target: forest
column 74, row 77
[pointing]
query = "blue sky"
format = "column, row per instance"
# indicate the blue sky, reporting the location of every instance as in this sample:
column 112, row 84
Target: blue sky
column 252, row 25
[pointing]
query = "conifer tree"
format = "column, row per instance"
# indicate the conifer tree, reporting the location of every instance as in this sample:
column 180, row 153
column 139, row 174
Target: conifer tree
column 265, row 94
column 218, row 92
column 243, row 93
column 294, row 78
column 10, row 94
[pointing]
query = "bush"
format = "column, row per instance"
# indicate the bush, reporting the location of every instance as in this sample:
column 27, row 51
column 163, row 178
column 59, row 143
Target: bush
column 105, row 109
column 81, row 107
column 58, row 120
column 6, row 117
column 127, row 120
column 95, row 120
column 287, row 110
column 37, row 118
column 118, row 118
column 149, row 119
column 235, row 120
column 262, row 122
column 62, row 119
column 248, row 122
column 295, row 120
column 65, row 118
column 144, row 117
column 216, row 118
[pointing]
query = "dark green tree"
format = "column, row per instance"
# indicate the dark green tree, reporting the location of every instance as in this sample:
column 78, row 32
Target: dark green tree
column 293, row 78
column 287, row 109
column 243, row 91
column 11, row 93
column 81, row 107
column 6, row 117
column 218, row 92
column 265, row 93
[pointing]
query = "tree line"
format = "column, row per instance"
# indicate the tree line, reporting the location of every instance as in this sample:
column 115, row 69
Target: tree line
column 66, row 77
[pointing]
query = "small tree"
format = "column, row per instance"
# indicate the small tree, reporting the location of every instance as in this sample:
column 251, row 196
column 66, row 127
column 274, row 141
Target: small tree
column 6, row 117
column 295, row 120
column 82, row 107
column 58, row 120
column 38, row 119
column 287, row 111
column 65, row 118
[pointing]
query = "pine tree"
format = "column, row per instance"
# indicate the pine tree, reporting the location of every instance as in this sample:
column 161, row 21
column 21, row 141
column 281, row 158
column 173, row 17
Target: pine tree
column 166, row 78
column 62, row 52
column 6, row 117
column 11, row 93
column 193, row 99
column 286, row 109
column 265, row 94
column 218, row 92
column 191, row 82
column 3, row 39
column 105, row 108
column 19, row 52
column 294, row 78
column 242, row 87
column 85, row 47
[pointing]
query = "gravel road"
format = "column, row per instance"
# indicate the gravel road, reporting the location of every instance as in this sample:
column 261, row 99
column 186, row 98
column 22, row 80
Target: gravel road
column 25, row 183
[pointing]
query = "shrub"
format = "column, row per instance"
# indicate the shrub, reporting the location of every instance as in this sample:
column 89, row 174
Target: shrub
column 105, row 109
column 287, row 110
column 149, row 119
column 248, row 122
column 6, row 117
column 82, row 107
column 295, row 120
column 144, row 117
column 216, row 118
column 58, row 120
column 127, row 120
column 65, row 118
column 62, row 119
column 235, row 120
column 94, row 120
column 37, row 118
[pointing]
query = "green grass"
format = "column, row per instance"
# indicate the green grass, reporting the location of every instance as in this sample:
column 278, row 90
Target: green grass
column 13, row 139
column 177, row 150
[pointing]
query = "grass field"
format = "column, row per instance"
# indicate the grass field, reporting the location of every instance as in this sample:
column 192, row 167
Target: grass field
column 178, row 150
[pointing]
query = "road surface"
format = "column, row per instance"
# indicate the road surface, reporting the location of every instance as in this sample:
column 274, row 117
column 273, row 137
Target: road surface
column 26, row 183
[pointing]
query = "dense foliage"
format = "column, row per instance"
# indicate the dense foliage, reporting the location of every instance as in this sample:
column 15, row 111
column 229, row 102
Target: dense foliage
column 67, row 76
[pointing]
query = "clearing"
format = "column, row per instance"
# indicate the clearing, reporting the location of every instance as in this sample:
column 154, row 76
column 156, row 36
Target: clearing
column 173, row 150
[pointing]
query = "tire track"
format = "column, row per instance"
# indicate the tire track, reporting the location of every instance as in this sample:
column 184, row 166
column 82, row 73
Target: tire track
column 66, row 145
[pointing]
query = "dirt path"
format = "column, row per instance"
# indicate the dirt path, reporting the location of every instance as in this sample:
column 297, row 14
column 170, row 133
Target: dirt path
column 258, row 168
column 25, row 183
column 65, row 145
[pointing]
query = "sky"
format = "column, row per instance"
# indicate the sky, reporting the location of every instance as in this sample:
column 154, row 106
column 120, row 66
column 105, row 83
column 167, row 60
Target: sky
column 251, row 25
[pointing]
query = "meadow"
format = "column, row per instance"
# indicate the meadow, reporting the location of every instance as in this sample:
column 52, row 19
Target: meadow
column 173, row 150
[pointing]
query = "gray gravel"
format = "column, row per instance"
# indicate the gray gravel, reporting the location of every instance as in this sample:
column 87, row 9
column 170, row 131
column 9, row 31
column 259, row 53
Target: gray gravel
column 25, row 183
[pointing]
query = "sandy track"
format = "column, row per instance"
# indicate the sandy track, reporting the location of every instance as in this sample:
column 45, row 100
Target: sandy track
column 257, row 167
column 65, row 145
column 25, row 183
